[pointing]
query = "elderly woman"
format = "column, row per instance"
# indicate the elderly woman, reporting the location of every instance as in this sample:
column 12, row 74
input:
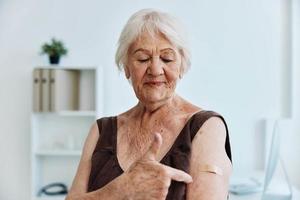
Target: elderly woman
column 164, row 147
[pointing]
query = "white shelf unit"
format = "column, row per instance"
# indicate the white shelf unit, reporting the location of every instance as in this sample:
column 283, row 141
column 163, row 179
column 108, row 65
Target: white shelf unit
column 57, row 137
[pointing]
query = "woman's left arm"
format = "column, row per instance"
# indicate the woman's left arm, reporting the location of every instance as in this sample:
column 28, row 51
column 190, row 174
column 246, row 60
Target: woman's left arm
column 210, row 166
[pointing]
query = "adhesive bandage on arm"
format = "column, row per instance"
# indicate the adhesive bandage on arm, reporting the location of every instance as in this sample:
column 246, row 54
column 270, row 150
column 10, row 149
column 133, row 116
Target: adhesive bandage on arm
column 211, row 169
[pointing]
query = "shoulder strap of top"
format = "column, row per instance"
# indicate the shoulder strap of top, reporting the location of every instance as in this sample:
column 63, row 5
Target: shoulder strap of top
column 200, row 118
column 106, row 129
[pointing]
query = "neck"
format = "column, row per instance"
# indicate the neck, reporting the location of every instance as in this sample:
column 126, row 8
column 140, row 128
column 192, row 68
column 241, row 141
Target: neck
column 146, row 110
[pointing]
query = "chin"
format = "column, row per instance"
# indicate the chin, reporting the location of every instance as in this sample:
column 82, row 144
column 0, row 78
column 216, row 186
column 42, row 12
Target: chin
column 152, row 98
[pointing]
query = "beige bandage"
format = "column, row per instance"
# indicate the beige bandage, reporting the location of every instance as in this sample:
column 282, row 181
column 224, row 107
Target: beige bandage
column 211, row 169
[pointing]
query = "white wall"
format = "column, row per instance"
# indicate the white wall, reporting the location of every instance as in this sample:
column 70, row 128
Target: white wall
column 239, row 66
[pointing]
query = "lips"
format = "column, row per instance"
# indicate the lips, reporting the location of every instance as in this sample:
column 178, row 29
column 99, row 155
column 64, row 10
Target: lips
column 155, row 83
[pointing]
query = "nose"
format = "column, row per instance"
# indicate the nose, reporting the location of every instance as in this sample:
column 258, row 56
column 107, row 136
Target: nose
column 155, row 67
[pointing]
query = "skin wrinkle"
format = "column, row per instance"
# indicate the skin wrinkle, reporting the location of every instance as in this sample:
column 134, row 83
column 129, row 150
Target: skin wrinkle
column 141, row 134
column 170, row 85
column 139, row 147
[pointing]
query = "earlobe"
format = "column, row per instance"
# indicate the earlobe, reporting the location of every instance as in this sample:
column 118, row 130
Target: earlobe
column 127, row 74
column 180, row 72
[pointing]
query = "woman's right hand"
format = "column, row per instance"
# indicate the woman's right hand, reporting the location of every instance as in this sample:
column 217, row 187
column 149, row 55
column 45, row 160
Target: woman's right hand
column 149, row 179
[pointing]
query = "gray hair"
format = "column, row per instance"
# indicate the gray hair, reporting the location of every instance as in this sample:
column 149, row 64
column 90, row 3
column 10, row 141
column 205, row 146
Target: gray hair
column 153, row 22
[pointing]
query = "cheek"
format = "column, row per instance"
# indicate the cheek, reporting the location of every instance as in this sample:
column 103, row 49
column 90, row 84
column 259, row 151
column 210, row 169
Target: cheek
column 137, row 71
column 172, row 73
column 136, row 75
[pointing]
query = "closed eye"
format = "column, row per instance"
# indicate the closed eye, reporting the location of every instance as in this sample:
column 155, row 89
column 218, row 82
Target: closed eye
column 165, row 60
column 144, row 60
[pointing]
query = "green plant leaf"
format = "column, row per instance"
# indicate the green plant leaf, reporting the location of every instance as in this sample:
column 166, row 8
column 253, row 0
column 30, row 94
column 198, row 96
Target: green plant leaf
column 54, row 48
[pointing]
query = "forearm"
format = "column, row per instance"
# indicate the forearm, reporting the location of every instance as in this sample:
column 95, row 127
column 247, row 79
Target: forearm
column 114, row 191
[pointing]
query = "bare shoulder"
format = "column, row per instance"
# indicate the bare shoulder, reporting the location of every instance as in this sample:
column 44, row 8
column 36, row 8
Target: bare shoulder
column 214, row 126
column 189, row 108
column 90, row 142
column 208, row 144
column 212, row 135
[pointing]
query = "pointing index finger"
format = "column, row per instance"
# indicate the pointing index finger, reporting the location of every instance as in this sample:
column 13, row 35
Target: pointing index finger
column 179, row 175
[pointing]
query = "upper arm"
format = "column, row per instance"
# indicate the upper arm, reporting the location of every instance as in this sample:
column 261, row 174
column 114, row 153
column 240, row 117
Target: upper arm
column 208, row 149
column 80, row 182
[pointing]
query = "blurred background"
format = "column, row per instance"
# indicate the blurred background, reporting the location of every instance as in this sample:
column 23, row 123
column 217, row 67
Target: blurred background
column 245, row 65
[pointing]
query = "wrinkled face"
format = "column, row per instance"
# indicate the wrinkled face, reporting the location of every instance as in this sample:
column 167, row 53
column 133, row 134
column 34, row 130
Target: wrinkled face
column 153, row 67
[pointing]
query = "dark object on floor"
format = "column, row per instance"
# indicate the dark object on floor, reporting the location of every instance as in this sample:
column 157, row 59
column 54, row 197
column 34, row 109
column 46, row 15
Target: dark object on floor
column 53, row 189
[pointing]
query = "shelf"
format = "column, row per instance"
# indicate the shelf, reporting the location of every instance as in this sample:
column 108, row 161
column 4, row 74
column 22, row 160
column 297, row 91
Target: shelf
column 58, row 130
column 69, row 113
column 68, row 67
column 77, row 113
column 58, row 153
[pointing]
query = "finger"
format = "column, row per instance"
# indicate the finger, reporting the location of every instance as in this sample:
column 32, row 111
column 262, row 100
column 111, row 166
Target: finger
column 179, row 175
column 154, row 147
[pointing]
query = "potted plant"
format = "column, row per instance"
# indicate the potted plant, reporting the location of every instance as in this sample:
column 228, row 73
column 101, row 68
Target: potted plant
column 55, row 49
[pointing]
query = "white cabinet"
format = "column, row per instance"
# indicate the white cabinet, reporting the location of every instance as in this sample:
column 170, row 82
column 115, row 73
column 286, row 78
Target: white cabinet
column 57, row 137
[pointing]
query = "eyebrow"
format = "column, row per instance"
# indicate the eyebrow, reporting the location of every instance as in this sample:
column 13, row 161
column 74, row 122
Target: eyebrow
column 141, row 49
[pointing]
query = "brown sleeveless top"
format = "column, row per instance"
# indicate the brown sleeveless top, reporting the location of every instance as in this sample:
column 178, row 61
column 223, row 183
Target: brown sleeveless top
column 105, row 166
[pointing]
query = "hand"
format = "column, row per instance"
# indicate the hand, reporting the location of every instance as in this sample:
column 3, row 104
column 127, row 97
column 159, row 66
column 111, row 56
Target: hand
column 149, row 179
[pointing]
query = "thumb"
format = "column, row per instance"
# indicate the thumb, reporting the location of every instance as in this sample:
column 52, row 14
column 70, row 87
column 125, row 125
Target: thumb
column 154, row 148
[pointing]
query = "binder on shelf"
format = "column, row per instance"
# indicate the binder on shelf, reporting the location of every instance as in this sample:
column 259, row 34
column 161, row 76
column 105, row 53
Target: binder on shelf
column 87, row 91
column 37, row 90
column 64, row 90
column 45, row 90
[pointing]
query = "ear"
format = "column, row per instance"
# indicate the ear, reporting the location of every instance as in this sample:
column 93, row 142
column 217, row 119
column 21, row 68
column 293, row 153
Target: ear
column 182, row 64
column 127, row 73
column 181, row 71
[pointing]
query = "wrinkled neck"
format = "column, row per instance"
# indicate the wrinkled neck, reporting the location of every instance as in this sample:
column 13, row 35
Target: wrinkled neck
column 157, row 110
